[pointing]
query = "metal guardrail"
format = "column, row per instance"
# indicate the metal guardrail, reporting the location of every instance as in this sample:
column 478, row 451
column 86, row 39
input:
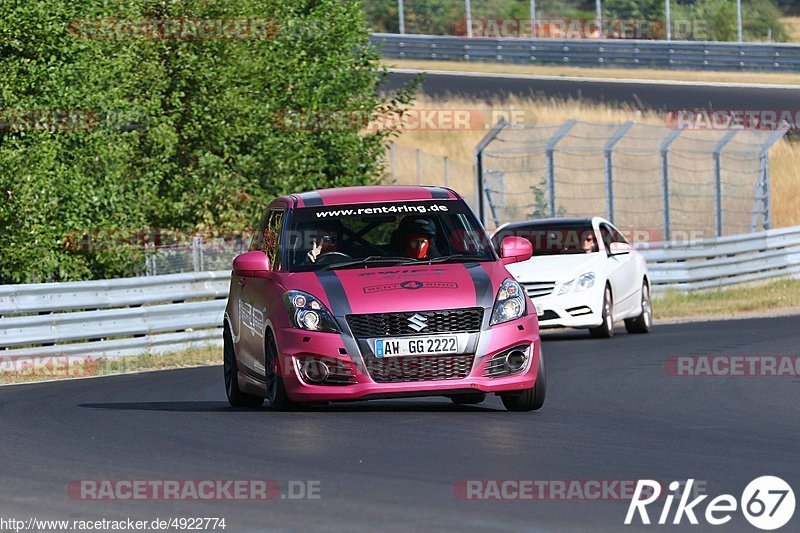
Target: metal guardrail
column 616, row 53
column 723, row 261
column 112, row 318
column 157, row 314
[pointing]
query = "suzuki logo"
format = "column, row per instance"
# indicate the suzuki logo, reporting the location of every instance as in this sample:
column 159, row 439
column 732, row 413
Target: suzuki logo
column 418, row 322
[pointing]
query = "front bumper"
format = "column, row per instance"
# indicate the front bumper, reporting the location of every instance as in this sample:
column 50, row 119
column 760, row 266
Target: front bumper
column 582, row 309
column 294, row 345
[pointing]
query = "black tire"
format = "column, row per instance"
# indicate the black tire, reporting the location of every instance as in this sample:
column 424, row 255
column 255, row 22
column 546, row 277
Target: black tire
column 530, row 399
column 236, row 397
column 276, row 390
column 606, row 329
column 468, row 399
column 644, row 322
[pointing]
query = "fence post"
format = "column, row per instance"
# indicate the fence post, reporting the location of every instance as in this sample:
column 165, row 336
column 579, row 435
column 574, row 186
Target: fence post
column 149, row 260
column 196, row 254
column 718, row 179
column 393, row 162
column 489, row 137
column 763, row 186
column 551, row 173
column 419, row 166
column 665, row 144
column 615, row 138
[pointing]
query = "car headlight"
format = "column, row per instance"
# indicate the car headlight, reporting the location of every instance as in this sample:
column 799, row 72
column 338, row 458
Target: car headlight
column 581, row 283
column 510, row 303
column 307, row 312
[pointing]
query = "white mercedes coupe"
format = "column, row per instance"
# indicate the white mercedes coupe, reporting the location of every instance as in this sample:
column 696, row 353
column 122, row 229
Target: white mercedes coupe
column 583, row 274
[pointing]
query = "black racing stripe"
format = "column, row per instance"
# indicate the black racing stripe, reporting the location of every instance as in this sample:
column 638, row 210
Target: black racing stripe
column 335, row 292
column 311, row 199
column 437, row 193
column 483, row 284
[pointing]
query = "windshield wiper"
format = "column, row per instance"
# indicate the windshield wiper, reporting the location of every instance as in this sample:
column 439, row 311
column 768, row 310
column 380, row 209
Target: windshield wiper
column 371, row 260
column 447, row 258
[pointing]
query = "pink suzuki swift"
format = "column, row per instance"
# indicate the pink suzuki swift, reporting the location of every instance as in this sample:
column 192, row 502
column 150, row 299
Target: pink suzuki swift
column 379, row 292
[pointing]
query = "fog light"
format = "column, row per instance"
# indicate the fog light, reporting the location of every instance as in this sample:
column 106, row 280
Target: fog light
column 315, row 371
column 515, row 360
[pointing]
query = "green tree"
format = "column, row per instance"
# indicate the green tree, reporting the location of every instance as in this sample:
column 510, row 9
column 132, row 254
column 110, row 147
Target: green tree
column 190, row 133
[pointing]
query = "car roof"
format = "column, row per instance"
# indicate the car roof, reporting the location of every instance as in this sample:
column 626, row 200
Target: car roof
column 547, row 222
column 369, row 194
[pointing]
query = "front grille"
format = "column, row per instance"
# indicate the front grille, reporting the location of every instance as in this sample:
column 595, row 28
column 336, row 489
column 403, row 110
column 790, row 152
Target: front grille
column 537, row 289
column 418, row 368
column 396, row 324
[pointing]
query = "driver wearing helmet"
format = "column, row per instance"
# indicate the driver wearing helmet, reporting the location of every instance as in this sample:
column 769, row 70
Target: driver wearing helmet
column 417, row 236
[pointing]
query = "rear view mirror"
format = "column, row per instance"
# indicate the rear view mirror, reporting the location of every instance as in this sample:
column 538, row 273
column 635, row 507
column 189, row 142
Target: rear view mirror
column 249, row 263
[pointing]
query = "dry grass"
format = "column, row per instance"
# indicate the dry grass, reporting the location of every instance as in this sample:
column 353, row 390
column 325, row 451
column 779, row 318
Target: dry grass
column 57, row 368
column 785, row 183
column 792, row 27
column 616, row 73
column 774, row 296
column 458, row 147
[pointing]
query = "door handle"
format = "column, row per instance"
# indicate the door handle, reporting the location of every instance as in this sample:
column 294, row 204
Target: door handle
column 242, row 281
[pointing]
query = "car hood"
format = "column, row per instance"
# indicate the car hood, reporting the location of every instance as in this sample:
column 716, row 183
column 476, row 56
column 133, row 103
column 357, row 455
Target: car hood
column 403, row 288
column 558, row 268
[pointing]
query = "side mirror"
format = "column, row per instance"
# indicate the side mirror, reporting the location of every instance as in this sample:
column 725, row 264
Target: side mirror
column 515, row 250
column 619, row 248
column 249, row 263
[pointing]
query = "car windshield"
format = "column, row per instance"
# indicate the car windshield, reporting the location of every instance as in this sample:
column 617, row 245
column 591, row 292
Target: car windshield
column 555, row 239
column 351, row 236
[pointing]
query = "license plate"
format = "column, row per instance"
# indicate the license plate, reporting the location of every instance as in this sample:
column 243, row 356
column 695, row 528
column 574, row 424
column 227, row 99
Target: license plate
column 539, row 309
column 443, row 344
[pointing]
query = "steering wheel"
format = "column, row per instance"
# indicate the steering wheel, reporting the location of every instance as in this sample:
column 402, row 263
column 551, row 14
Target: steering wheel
column 327, row 257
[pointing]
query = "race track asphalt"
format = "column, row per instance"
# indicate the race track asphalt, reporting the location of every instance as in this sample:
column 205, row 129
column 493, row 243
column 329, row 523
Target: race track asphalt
column 654, row 95
column 612, row 413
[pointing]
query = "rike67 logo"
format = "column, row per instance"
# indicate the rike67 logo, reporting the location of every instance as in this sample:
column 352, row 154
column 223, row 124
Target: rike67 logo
column 767, row 503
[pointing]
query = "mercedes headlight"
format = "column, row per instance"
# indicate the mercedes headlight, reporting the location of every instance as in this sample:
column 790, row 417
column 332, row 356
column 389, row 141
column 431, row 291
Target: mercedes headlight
column 581, row 283
column 307, row 312
column 509, row 304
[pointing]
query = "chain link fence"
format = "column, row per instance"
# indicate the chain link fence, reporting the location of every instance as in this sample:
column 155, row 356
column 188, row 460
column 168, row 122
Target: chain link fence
column 199, row 255
column 698, row 183
column 409, row 166
column 674, row 184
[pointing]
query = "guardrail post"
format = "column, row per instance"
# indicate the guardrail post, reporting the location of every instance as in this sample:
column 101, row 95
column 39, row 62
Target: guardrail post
column 479, row 148
column 665, row 144
column 718, row 179
column 615, row 138
column 551, row 168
